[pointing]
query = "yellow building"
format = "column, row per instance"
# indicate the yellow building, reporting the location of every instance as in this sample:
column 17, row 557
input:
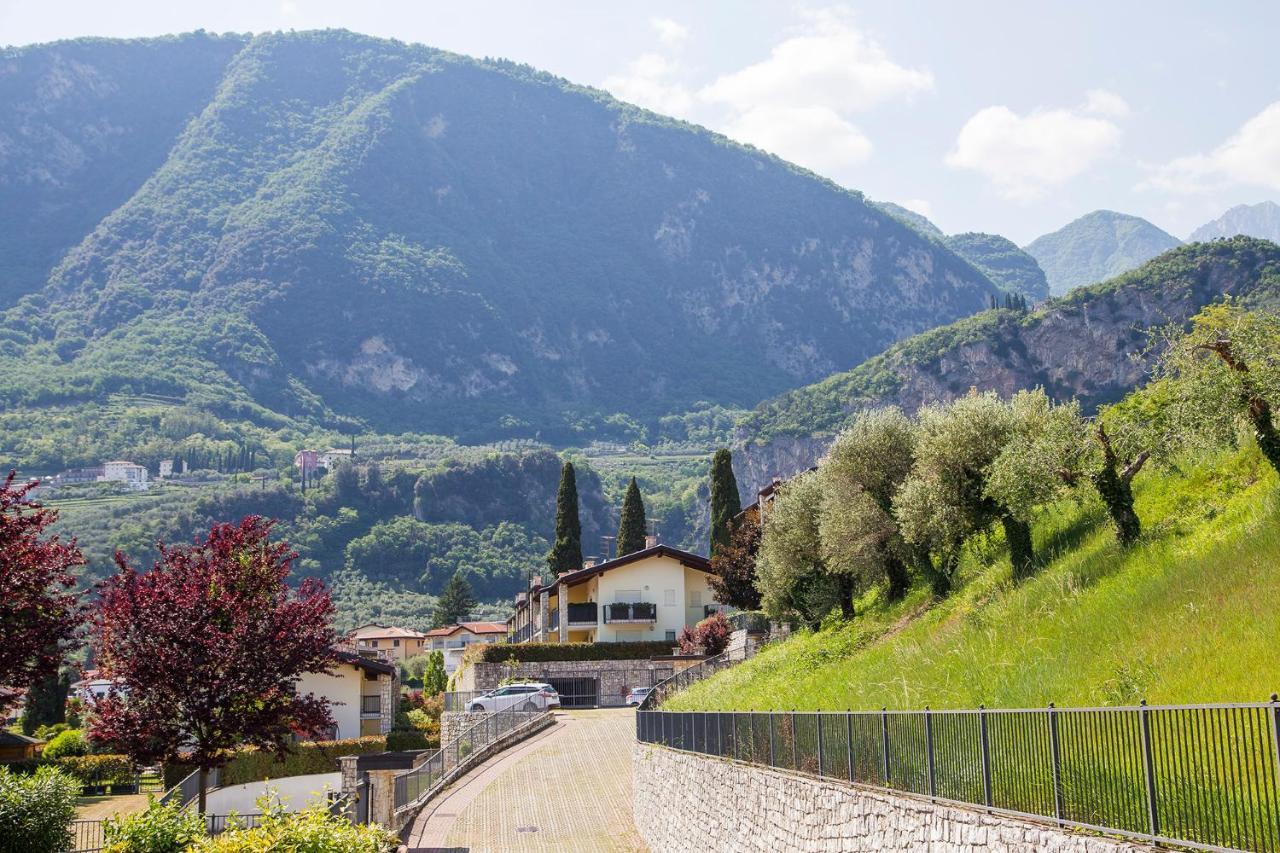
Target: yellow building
column 400, row 643
column 646, row 595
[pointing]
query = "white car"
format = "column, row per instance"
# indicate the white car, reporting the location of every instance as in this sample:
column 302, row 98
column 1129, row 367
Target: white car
column 526, row 696
column 637, row 695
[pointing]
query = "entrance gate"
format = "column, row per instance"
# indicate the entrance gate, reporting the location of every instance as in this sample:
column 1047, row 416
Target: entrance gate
column 576, row 692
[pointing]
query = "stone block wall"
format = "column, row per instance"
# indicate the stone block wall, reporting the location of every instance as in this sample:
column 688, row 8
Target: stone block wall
column 614, row 678
column 738, row 808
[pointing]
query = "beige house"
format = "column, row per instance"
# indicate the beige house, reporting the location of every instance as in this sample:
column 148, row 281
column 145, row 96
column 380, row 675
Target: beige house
column 363, row 692
column 454, row 639
column 646, row 595
column 399, row 644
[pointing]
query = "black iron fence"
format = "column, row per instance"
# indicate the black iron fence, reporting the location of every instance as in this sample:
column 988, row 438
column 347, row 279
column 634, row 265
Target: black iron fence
column 89, row 836
column 370, row 704
column 1203, row 776
column 429, row 776
column 638, row 611
column 583, row 614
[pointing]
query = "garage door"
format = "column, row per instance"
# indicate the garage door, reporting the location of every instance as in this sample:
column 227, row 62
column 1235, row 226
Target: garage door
column 576, row 692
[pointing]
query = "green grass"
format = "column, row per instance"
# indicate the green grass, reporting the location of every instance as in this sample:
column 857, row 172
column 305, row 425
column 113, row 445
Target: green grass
column 1188, row 615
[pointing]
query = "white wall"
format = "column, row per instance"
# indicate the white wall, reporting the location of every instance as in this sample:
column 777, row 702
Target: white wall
column 295, row 792
column 343, row 686
column 658, row 579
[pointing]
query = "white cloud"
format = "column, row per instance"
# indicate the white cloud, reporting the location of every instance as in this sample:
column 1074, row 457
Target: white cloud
column 1250, row 156
column 815, row 137
column 288, row 8
column 1024, row 155
column 652, row 81
column 829, row 64
column 1104, row 103
column 670, row 33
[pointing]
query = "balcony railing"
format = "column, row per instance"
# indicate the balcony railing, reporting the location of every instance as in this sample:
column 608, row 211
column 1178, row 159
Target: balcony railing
column 371, row 705
column 553, row 621
column 584, row 614
column 638, row 611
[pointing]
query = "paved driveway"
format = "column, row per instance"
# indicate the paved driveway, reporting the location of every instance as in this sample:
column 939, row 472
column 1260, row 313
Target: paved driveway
column 566, row 789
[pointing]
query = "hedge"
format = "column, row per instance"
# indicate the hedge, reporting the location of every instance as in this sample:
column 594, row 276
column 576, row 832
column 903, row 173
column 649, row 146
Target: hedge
column 252, row 765
column 541, row 652
column 97, row 769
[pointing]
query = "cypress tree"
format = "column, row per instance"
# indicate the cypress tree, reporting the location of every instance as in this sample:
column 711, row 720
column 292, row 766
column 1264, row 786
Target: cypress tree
column 566, row 554
column 632, row 525
column 455, row 603
column 725, row 503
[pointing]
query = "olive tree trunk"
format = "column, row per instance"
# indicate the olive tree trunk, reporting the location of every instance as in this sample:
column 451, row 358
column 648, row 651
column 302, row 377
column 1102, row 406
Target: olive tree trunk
column 1021, row 554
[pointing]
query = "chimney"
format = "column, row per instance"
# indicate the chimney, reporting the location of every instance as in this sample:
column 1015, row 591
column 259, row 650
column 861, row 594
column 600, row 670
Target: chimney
column 588, row 562
column 650, row 541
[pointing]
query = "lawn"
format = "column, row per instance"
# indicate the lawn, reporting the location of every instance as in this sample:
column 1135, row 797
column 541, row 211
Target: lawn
column 1188, row 615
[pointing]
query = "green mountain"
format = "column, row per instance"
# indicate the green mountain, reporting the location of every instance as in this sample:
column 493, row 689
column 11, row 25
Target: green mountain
column 918, row 221
column 1003, row 262
column 1260, row 220
column 1090, row 344
column 354, row 229
column 1096, row 247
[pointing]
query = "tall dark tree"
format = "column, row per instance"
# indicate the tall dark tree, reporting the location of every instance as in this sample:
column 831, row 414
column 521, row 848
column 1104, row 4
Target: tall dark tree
column 631, row 528
column 39, row 608
column 206, row 650
column 455, row 603
column 733, row 579
column 46, row 702
column 725, row 503
column 566, row 554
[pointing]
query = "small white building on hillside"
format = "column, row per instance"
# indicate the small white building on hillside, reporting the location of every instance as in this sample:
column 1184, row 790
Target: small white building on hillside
column 134, row 476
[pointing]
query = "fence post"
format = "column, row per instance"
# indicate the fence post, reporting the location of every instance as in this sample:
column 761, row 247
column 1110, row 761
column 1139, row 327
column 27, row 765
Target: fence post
column 884, row 738
column 848, row 739
column 986, row 755
column 928, row 749
column 1148, row 763
column 772, row 761
column 1056, row 754
column 818, row 723
column 1275, row 734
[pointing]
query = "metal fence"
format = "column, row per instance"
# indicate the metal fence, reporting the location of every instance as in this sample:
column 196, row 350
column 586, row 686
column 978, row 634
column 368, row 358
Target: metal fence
column 1202, row 776
column 89, row 836
column 412, row 785
column 458, row 700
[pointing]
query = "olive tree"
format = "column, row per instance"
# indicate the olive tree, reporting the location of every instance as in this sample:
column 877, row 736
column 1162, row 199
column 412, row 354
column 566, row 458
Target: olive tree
column 945, row 501
column 793, row 574
column 866, row 465
column 1223, row 370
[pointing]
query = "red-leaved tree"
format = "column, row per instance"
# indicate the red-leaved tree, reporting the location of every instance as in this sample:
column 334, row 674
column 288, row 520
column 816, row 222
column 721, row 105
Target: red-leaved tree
column 39, row 609
column 206, row 649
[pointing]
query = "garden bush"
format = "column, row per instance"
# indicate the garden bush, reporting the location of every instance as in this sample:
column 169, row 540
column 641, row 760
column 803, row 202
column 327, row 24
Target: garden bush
column 405, row 740
column 95, row 769
column 160, row 828
column 313, row 830
column 70, row 742
column 304, row 758
column 36, row 811
column 540, row 652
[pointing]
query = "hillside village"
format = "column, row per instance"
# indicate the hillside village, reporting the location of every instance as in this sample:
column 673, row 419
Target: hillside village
column 408, row 451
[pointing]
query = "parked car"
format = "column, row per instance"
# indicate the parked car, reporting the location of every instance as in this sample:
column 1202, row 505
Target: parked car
column 637, row 695
column 526, row 696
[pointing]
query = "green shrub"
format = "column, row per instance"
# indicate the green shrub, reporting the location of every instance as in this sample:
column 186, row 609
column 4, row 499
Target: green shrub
column 304, row 758
column 160, row 828
column 313, row 830
column 36, row 811
column 94, row 769
column 70, row 742
column 403, row 740
column 540, row 652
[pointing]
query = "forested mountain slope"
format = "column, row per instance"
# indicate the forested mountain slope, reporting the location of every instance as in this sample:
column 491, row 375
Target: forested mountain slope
column 1096, row 247
column 1003, row 262
column 1090, row 345
column 417, row 240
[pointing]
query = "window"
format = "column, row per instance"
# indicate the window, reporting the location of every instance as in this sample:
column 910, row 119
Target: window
column 626, row 596
column 373, row 643
column 395, row 643
column 669, row 598
column 671, row 636
column 695, row 598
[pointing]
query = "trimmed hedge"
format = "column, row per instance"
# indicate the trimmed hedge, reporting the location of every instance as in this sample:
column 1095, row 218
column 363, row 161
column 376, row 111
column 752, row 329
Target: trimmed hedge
column 97, row 769
column 406, row 740
column 252, row 765
column 541, row 652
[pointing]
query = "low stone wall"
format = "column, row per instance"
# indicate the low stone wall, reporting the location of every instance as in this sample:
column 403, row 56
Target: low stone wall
column 614, row 678
column 739, row 808
column 454, row 723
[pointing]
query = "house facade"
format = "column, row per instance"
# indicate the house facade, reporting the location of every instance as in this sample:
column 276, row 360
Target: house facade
column 453, row 640
column 134, row 476
column 646, row 595
column 394, row 643
column 363, row 691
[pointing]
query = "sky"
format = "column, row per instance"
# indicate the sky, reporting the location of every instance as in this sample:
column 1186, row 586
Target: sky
column 1006, row 117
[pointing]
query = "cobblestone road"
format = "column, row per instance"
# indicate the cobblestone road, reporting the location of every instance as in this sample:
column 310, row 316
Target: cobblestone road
column 567, row 789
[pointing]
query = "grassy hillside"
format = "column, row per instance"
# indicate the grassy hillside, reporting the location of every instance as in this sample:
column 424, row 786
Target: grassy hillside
column 1186, row 616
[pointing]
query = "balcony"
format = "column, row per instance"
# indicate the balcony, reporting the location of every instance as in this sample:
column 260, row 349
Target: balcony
column 638, row 612
column 586, row 613
column 370, row 706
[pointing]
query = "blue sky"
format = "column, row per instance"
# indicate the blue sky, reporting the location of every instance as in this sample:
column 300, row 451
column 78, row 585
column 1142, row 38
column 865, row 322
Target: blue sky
column 1009, row 117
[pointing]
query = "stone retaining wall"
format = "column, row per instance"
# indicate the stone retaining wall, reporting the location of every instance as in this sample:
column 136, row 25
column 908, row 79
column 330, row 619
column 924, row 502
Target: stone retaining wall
column 739, row 808
column 614, row 678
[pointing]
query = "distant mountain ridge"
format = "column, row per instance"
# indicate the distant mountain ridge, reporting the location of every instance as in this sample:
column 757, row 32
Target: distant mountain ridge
column 1260, row 220
column 1090, row 345
column 1096, row 247
column 358, row 228
column 1000, row 259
